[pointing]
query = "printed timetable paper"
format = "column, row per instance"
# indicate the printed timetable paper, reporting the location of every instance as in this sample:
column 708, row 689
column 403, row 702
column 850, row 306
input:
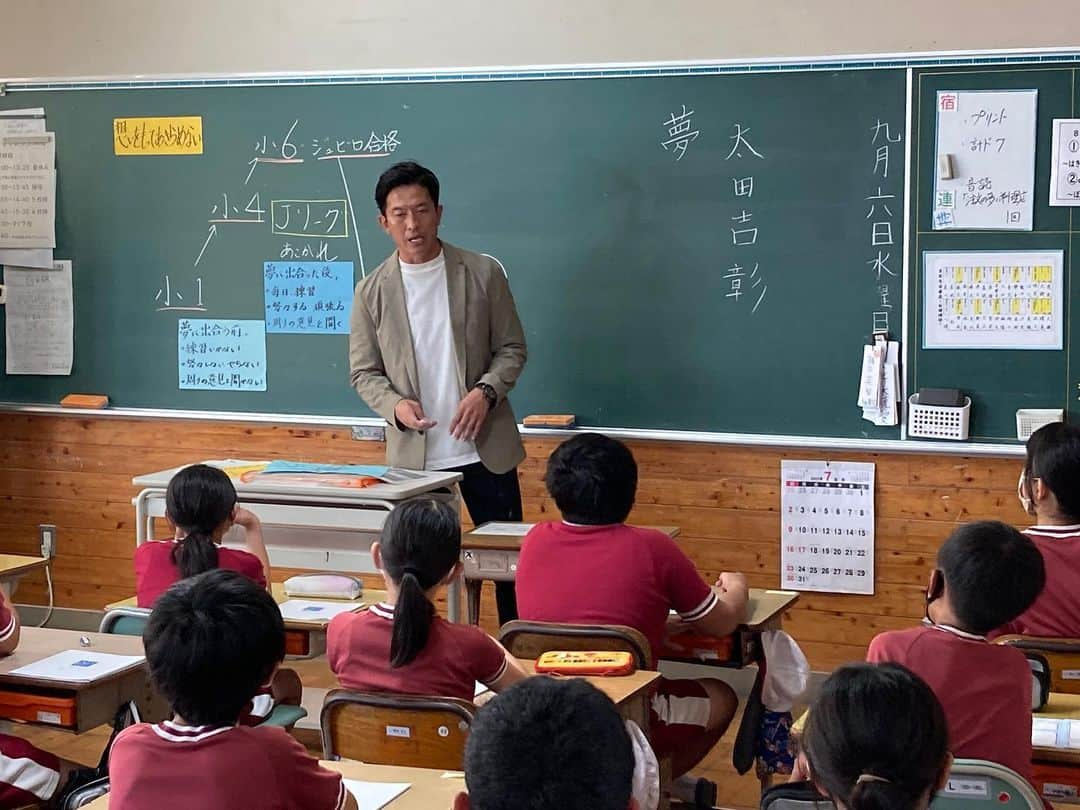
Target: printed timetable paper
column 988, row 139
column 1065, row 162
column 39, row 329
column 827, row 526
column 82, row 666
column 993, row 300
column 28, row 191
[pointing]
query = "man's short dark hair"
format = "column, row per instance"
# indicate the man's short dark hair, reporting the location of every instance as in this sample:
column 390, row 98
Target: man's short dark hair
column 593, row 479
column 993, row 573
column 211, row 642
column 548, row 744
column 408, row 173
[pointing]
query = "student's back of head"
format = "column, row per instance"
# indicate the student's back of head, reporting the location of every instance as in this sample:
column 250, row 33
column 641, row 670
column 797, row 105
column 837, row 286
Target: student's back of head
column 199, row 501
column 992, row 573
column 211, row 642
column 419, row 547
column 548, row 744
column 1053, row 457
column 593, row 479
column 876, row 739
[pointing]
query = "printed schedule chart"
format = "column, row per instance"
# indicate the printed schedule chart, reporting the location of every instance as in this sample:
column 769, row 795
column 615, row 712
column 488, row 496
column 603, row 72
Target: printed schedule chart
column 827, row 526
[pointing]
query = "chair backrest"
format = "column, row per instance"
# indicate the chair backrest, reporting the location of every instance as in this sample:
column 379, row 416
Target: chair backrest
column 974, row 782
column 794, row 796
column 83, row 795
column 525, row 639
column 1063, row 655
column 125, row 621
column 388, row 729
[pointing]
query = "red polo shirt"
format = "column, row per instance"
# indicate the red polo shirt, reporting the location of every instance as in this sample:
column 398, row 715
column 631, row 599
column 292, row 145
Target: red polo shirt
column 455, row 657
column 172, row 767
column 613, row 574
column 1056, row 611
column 155, row 572
column 984, row 688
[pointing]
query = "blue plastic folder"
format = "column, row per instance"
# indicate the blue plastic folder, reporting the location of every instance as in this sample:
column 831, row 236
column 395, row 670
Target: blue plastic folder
column 294, row 467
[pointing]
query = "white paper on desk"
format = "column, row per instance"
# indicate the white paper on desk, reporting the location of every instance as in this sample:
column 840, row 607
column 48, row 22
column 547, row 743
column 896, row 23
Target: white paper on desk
column 505, row 529
column 77, row 665
column 305, row 610
column 26, row 121
column 479, row 689
column 374, row 795
column 40, row 320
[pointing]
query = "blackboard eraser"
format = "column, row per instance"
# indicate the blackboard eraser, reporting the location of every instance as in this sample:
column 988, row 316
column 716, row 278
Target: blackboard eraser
column 91, row 401
column 942, row 397
column 550, row 420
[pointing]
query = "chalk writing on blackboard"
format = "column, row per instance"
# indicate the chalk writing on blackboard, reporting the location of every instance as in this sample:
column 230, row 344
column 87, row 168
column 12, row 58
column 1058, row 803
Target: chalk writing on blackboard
column 283, row 153
column 224, row 211
column 323, row 218
column 375, row 145
column 170, row 299
column 320, row 251
column 881, row 217
column 681, row 133
column 744, row 233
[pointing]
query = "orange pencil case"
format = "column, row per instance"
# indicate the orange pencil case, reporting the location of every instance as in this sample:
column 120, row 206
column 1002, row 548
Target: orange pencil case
column 600, row 662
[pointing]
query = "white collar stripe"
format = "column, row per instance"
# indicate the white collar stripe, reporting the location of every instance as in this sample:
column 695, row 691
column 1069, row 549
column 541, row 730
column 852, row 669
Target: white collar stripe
column 947, row 628
column 383, row 610
column 1055, row 531
column 173, row 732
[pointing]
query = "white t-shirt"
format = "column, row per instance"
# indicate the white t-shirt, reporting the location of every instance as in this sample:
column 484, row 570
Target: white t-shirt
column 428, row 306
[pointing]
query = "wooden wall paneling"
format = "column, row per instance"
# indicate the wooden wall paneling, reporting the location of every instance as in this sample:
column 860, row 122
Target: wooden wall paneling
column 76, row 472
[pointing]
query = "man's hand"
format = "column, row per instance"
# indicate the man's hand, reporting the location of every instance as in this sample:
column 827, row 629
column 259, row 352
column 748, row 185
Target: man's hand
column 470, row 416
column 410, row 413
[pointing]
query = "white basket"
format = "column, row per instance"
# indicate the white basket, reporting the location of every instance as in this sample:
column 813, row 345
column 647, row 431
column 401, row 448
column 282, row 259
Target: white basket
column 938, row 421
column 1028, row 420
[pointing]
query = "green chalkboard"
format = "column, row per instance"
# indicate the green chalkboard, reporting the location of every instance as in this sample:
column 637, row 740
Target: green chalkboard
column 642, row 305
column 998, row 381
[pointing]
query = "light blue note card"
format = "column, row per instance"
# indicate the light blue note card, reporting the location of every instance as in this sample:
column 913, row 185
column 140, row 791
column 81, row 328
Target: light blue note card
column 222, row 355
column 308, row 297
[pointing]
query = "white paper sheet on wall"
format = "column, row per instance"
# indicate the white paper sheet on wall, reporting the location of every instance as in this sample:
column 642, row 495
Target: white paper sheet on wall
column 39, row 326
column 987, row 138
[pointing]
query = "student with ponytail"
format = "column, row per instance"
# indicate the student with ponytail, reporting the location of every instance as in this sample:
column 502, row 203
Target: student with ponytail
column 200, row 505
column 876, row 739
column 402, row 645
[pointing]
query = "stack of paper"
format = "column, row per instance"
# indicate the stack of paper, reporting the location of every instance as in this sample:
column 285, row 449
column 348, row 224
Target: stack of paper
column 1052, row 732
column 879, row 383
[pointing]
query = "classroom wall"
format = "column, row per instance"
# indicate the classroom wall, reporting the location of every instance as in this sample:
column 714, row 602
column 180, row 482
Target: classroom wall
column 120, row 37
column 76, row 472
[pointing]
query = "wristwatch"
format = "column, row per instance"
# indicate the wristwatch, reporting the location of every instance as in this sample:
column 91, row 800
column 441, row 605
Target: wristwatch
column 488, row 392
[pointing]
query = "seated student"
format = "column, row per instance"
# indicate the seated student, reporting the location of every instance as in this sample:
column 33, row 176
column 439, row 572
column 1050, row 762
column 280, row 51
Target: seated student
column 29, row 775
column 200, row 505
column 1049, row 489
column 548, row 744
column 592, row 568
column 876, row 739
column 211, row 641
column 401, row 645
column 987, row 574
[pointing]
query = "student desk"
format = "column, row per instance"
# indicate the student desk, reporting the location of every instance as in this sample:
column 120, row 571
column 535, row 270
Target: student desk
column 14, row 567
column 94, row 703
column 303, row 639
column 491, row 551
column 629, row 693
column 429, row 789
column 311, row 526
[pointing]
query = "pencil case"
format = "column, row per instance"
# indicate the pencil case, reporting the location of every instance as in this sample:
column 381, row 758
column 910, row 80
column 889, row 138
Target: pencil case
column 601, row 662
column 326, row 586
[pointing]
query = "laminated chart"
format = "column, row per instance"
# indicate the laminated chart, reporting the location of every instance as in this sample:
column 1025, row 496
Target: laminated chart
column 992, row 300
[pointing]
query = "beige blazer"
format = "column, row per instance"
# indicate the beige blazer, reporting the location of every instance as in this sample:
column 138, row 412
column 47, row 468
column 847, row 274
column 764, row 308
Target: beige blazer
column 488, row 339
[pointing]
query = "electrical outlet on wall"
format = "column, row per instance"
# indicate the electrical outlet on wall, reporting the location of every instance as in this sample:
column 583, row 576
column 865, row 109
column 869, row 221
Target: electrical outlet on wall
column 47, row 536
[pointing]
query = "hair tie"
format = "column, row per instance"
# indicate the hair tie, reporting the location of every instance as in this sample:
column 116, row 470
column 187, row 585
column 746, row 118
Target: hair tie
column 870, row 777
column 408, row 569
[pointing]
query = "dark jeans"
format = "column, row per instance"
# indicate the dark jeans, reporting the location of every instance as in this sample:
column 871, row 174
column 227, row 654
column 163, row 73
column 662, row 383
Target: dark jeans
column 489, row 496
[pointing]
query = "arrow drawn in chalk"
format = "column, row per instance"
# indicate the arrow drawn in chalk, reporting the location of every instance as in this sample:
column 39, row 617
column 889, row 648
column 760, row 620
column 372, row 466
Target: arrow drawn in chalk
column 209, row 236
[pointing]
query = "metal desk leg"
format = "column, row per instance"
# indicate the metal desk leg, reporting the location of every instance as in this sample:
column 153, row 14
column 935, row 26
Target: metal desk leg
column 472, row 600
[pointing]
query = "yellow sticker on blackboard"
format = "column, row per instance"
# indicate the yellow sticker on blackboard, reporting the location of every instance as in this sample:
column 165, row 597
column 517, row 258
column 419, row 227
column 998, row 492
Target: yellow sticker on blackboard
column 158, row 136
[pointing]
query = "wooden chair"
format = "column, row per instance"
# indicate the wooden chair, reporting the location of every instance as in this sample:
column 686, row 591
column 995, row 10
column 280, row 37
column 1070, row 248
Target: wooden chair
column 388, row 729
column 1063, row 655
column 530, row 639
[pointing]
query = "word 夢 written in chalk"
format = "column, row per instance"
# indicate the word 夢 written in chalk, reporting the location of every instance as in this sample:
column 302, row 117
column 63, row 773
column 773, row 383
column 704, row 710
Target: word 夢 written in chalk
column 158, row 136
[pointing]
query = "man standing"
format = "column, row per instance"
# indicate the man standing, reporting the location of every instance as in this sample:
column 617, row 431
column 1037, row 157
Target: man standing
column 434, row 348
